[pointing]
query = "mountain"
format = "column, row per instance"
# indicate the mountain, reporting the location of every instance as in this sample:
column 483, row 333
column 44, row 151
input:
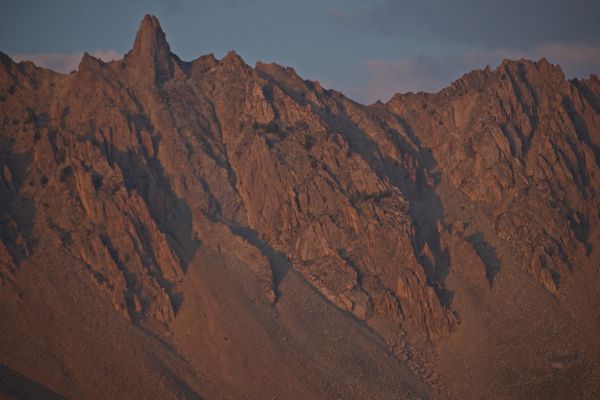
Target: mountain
column 209, row 230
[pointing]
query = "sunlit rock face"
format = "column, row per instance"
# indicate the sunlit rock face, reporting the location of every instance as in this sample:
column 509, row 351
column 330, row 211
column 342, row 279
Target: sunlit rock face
column 217, row 228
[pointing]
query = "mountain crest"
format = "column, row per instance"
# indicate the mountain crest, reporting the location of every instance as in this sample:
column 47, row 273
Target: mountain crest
column 230, row 232
column 150, row 39
column 151, row 52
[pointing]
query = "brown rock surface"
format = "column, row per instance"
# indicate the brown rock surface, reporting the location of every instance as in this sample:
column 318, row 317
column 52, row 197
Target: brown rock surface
column 214, row 230
column 516, row 150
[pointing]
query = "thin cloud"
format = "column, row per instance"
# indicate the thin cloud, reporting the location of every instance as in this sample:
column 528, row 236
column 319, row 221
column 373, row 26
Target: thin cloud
column 431, row 73
column 577, row 60
column 65, row 62
column 340, row 15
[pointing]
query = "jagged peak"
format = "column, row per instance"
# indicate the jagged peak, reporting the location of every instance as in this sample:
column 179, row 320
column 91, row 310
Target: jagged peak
column 5, row 60
column 206, row 58
column 533, row 72
column 204, row 63
column 530, row 66
column 7, row 63
column 233, row 58
column 151, row 53
column 277, row 69
column 89, row 62
column 150, row 38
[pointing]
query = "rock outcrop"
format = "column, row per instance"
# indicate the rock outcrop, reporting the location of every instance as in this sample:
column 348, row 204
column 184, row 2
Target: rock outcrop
column 421, row 221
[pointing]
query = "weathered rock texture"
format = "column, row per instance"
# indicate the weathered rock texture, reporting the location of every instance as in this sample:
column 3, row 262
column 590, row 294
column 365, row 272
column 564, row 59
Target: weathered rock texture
column 189, row 210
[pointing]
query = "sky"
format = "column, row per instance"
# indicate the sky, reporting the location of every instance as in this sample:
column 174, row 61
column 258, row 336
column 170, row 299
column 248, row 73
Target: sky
column 367, row 49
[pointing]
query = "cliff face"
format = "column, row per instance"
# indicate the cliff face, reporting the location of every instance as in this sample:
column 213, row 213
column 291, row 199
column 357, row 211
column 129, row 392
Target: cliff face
column 521, row 143
column 200, row 204
column 516, row 150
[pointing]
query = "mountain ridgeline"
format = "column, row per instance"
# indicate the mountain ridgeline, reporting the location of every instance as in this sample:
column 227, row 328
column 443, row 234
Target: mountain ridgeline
column 209, row 230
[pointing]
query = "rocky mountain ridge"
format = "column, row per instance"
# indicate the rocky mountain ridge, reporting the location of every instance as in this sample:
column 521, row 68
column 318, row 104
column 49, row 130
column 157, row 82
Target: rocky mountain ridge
column 452, row 235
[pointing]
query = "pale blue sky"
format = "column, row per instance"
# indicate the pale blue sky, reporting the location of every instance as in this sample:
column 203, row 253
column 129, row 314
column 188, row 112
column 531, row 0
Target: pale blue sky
column 367, row 49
